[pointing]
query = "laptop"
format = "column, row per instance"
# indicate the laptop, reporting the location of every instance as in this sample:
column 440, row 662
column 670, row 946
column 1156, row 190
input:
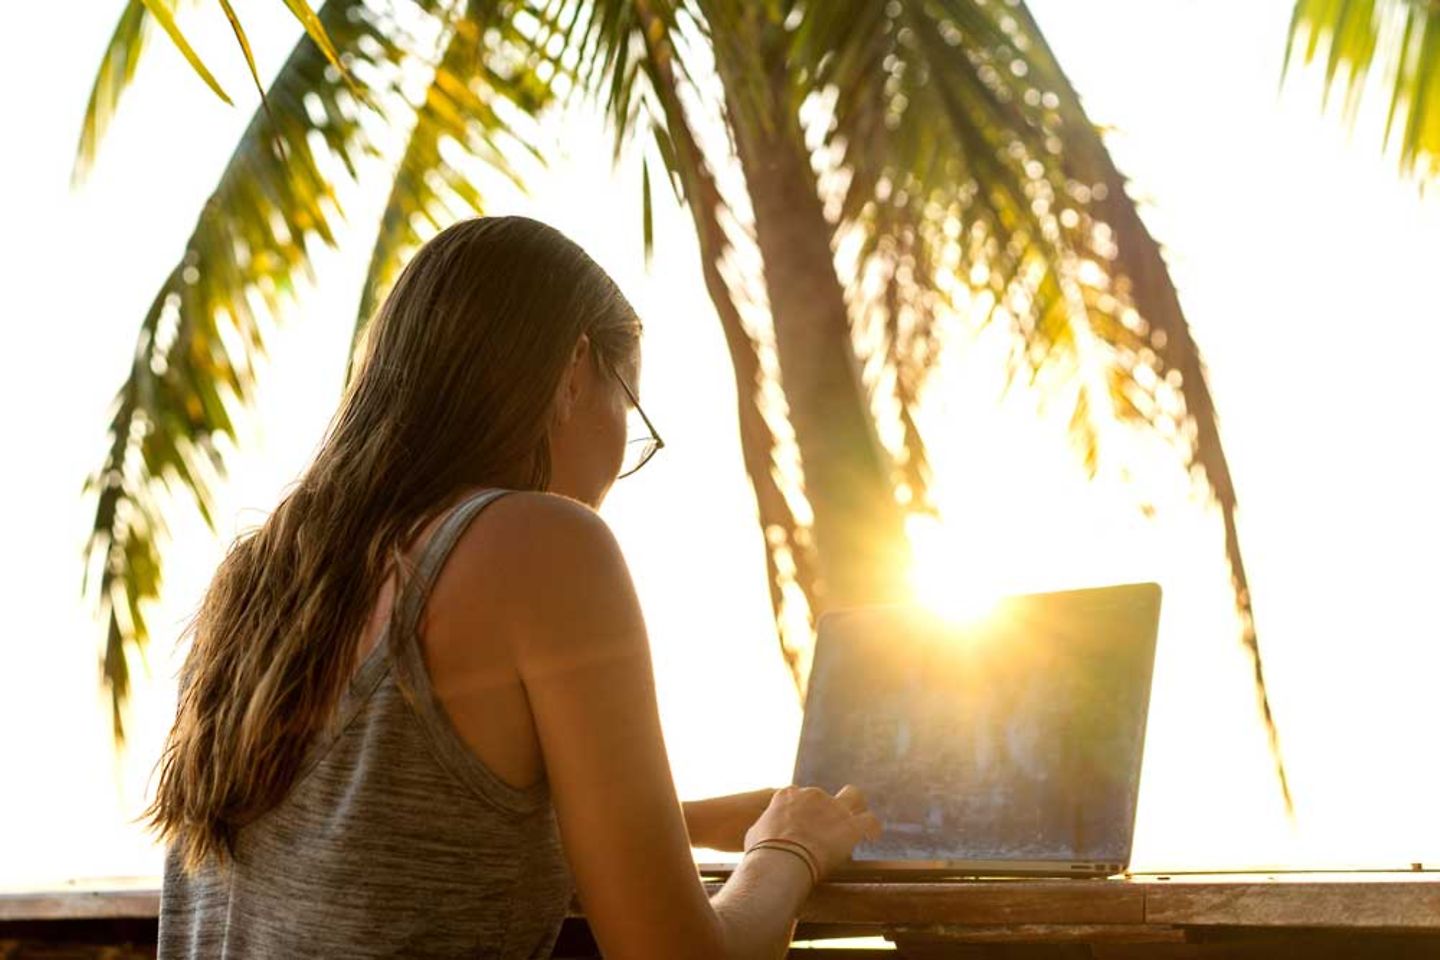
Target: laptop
column 1001, row 745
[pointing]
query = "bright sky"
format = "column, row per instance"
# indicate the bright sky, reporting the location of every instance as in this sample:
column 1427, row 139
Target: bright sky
column 1304, row 264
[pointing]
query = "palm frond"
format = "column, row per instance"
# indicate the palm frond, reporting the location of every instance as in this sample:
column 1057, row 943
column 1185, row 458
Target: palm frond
column 122, row 56
column 965, row 177
column 194, row 358
column 479, row 99
column 117, row 69
column 1354, row 38
column 315, row 29
column 938, row 121
column 1154, row 353
column 243, row 39
column 606, row 41
column 163, row 12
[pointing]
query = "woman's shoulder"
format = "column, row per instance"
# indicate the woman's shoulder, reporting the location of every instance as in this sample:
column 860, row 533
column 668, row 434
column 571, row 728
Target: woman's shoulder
column 537, row 563
column 525, row 527
column 542, row 506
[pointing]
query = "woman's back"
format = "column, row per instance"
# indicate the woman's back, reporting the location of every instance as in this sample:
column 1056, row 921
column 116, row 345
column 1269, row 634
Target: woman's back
column 395, row 839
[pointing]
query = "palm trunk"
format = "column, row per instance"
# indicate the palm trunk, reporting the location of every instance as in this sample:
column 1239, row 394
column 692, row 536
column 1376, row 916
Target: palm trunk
column 757, row 442
column 861, row 550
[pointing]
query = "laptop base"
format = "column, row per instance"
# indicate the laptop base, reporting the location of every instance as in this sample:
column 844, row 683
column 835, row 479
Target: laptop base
column 914, row 871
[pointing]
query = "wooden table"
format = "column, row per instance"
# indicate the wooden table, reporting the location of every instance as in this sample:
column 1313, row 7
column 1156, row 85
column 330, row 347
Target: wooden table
column 1231, row 916
column 1362, row 915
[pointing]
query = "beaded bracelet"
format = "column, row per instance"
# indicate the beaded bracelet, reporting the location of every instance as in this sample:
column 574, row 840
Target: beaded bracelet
column 794, row 848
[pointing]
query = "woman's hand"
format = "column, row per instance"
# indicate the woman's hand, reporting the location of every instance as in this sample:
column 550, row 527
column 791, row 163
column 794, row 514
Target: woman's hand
column 829, row 827
column 719, row 823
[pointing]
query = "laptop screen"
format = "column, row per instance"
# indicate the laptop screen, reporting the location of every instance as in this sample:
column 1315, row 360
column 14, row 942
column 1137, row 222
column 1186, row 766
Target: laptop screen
column 1016, row 736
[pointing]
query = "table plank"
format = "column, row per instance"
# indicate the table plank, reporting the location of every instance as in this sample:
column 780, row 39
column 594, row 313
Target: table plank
column 982, row 902
column 1042, row 933
column 1394, row 905
column 80, row 905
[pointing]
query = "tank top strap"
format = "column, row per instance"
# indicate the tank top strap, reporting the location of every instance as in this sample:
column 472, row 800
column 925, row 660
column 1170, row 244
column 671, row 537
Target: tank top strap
column 405, row 615
column 403, row 636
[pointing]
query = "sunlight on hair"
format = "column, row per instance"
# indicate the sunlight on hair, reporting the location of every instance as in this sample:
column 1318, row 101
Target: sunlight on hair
column 945, row 578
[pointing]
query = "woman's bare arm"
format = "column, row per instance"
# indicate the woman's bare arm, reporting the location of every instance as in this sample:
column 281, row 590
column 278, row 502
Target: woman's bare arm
column 563, row 599
column 719, row 823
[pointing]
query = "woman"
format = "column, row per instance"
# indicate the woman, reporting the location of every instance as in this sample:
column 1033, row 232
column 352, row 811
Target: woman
column 418, row 710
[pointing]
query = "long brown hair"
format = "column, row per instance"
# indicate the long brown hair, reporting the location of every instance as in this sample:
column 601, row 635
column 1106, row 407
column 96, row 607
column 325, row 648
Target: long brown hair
column 454, row 391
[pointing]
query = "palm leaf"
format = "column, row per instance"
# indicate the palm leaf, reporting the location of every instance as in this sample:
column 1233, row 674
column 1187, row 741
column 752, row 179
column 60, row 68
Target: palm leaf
column 477, row 99
column 316, row 30
column 117, row 69
column 161, row 11
column 647, row 212
column 1401, row 39
column 614, row 68
column 244, row 40
column 194, row 358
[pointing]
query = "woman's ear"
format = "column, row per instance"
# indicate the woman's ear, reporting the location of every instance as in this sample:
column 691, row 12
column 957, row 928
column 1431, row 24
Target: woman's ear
column 573, row 381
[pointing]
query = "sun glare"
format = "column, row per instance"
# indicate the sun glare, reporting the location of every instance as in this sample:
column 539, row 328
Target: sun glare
column 945, row 578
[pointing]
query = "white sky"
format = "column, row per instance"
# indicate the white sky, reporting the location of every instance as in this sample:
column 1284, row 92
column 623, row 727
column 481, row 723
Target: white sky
column 1303, row 262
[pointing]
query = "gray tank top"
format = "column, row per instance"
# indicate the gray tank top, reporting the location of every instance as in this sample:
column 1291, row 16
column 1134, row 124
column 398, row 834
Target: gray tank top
column 396, row 840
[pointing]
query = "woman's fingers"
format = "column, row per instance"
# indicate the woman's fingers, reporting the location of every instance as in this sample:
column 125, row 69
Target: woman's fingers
column 863, row 826
column 866, row 826
column 851, row 798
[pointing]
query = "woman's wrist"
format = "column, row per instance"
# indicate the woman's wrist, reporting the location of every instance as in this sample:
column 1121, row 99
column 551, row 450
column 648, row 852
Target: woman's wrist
column 785, row 861
column 757, row 907
column 793, row 847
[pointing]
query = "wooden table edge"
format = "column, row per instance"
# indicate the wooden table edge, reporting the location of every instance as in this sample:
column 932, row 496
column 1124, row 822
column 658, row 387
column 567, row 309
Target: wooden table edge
column 1392, row 904
column 140, row 904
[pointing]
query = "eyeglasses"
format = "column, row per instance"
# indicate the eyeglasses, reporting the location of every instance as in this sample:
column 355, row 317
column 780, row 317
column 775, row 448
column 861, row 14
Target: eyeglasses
column 639, row 450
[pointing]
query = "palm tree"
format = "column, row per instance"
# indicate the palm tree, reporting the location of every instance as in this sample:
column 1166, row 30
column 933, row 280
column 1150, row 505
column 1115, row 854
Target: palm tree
column 1399, row 37
column 905, row 163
